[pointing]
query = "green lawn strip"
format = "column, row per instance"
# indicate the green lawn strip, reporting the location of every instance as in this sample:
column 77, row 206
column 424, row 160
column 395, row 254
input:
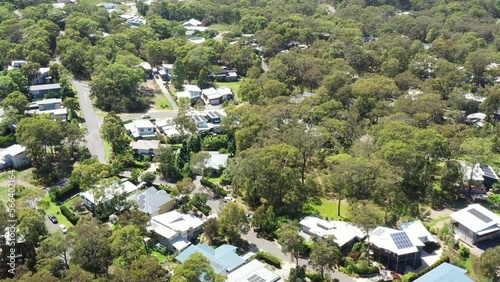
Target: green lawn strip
column 108, row 149
column 69, row 203
column 54, row 209
column 161, row 257
column 221, row 27
column 214, row 180
column 234, row 86
column 161, row 102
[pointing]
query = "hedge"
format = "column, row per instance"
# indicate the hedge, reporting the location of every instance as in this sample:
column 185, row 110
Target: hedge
column 268, row 258
column 217, row 190
column 69, row 215
column 425, row 271
column 67, row 192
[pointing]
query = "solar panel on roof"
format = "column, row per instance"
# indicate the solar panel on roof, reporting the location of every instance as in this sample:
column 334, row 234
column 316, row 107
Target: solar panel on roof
column 479, row 215
column 401, row 240
column 255, row 278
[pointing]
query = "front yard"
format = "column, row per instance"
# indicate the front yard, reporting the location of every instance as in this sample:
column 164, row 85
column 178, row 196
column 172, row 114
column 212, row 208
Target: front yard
column 161, row 102
column 54, row 209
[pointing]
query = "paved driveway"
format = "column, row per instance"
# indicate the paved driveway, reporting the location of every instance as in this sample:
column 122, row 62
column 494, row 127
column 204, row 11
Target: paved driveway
column 156, row 114
column 51, row 227
column 93, row 122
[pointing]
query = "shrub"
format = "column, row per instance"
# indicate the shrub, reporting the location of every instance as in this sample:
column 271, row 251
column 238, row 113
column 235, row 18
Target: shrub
column 463, row 252
column 268, row 258
column 66, row 192
column 306, row 249
column 69, row 215
column 204, row 210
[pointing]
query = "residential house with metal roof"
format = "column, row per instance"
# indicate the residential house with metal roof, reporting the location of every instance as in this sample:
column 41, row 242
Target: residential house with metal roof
column 38, row 91
column 223, row 259
column 346, row 234
column 174, row 230
column 417, row 229
column 253, row 271
column 475, row 223
column 483, row 176
column 445, row 272
column 141, row 128
column 13, row 156
column 395, row 248
column 153, row 201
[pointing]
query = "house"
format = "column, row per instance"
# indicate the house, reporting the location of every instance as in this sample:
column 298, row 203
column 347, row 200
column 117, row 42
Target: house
column 174, row 230
column 109, row 193
column 153, row 201
column 141, row 128
column 13, row 157
column 417, row 229
column 483, row 177
column 223, row 259
column 108, row 6
column 38, row 91
column 212, row 96
column 134, row 21
column 216, row 160
column 16, row 64
column 475, row 98
column 192, row 92
column 475, row 223
column 148, row 70
column 192, row 22
column 395, row 248
column 42, row 77
column 253, row 271
column 166, row 71
column 346, row 234
column 214, row 117
column 478, row 119
column 225, row 76
column 167, row 127
column 51, row 106
column 145, row 147
column 197, row 40
column 445, row 272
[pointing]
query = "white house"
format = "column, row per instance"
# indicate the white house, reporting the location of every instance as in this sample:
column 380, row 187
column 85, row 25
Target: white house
column 109, row 193
column 197, row 40
column 167, row 127
column 16, row 64
column 253, row 271
column 42, row 76
column 212, row 96
column 51, row 106
column 417, row 229
column 192, row 22
column 145, row 147
column 346, row 234
column 174, row 230
column 141, row 128
column 13, row 156
column 216, row 160
column 153, row 201
column 475, row 223
column 193, row 92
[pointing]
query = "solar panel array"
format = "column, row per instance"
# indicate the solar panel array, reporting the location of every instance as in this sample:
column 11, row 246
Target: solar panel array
column 401, row 240
column 481, row 216
column 255, row 278
column 488, row 172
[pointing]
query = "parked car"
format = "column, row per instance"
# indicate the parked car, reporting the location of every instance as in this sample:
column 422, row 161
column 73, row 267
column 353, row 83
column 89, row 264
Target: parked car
column 229, row 199
column 53, row 218
column 63, row 229
column 146, row 116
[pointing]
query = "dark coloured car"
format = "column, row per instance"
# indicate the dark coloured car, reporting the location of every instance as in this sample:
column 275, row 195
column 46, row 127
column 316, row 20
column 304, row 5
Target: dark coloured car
column 53, row 218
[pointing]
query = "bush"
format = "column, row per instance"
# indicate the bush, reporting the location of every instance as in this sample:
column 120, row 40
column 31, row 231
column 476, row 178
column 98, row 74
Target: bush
column 306, row 249
column 359, row 267
column 204, row 210
column 214, row 187
column 69, row 215
column 67, row 192
column 268, row 258
column 463, row 252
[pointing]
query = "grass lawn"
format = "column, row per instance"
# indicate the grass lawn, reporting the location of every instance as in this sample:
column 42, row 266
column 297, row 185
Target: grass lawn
column 161, row 257
column 235, row 86
column 54, row 209
column 221, row 27
column 70, row 202
column 108, row 149
column 214, row 180
column 328, row 209
column 161, row 103
column 21, row 178
column 101, row 113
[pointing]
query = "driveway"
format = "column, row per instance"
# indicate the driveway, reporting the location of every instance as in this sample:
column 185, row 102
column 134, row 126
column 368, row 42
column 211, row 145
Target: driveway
column 51, row 227
column 165, row 92
column 93, row 122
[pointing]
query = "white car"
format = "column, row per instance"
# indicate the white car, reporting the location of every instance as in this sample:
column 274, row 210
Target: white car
column 229, row 199
column 63, row 229
column 146, row 116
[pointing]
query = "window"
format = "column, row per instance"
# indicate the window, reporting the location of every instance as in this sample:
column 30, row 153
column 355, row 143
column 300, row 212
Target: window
column 142, row 130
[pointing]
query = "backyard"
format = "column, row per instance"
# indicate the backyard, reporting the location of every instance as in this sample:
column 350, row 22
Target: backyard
column 234, row 86
column 328, row 209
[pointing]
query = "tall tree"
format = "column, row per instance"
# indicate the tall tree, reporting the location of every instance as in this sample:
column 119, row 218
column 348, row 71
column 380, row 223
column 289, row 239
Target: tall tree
column 290, row 240
column 167, row 168
column 113, row 132
column 233, row 222
column 325, row 253
column 32, row 227
column 17, row 101
column 126, row 244
column 365, row 216
column 211, row 230
column 196, row 268
column 490, row 263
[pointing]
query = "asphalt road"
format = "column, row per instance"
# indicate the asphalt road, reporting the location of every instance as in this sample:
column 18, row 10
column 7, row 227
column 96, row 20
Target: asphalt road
column 156, row 114
column 93, row 122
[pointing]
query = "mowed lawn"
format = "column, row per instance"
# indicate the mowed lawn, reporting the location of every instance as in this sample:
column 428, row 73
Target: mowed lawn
column 328, row 209
column 161, row 102
column 54, row 209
